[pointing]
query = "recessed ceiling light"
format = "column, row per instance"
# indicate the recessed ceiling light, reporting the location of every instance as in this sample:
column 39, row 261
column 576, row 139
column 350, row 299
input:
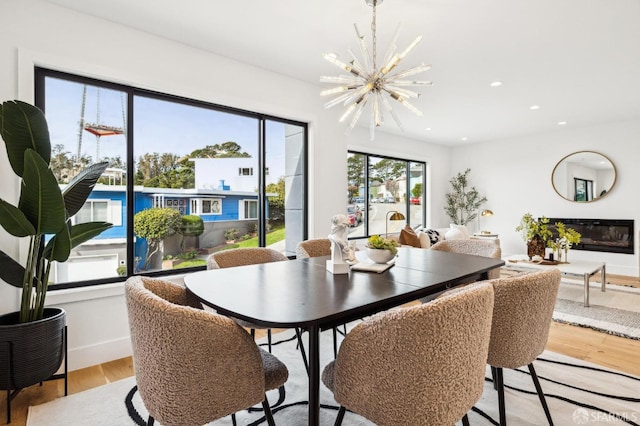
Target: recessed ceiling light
column 561, row 123
column 428, row 129
column 534, row 107
column 495, row 83
column 463, row 139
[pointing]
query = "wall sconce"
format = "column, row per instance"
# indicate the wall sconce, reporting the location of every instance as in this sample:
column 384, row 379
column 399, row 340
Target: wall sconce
column 395, row 216
column 483, row 214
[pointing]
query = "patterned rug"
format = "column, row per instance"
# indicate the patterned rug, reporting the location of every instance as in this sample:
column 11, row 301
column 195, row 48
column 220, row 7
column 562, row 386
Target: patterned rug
column 616, row 311
column 577, row 393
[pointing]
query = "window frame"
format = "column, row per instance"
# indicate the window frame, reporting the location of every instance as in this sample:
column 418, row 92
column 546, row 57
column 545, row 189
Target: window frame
column 40, row 75
column 243, row 208
column 92, row 202
column 367, row 196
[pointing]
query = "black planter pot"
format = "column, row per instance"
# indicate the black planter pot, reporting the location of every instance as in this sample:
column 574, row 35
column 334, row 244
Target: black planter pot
column 31, row 352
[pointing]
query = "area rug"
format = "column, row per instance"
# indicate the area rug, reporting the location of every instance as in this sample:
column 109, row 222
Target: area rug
column 616, row 311
column 577, row 393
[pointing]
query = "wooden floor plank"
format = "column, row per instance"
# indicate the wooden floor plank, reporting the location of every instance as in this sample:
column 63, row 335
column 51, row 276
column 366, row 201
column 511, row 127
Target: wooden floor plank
column 118, row 369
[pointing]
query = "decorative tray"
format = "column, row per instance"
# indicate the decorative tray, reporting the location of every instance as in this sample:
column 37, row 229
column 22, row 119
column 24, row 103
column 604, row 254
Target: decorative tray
column 372, row 267
column 538, row 262
column 546, row 262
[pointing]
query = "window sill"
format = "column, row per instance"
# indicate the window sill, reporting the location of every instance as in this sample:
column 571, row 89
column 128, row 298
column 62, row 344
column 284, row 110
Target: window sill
column 99, row 291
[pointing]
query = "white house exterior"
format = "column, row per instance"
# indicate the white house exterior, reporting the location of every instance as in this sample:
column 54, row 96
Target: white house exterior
column 241, row 174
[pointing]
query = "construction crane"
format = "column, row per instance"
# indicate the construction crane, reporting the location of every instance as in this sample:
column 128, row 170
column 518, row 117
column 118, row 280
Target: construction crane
column 97, row 128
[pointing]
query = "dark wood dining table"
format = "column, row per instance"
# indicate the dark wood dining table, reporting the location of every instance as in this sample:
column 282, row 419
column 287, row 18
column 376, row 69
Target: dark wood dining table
column 302, row 293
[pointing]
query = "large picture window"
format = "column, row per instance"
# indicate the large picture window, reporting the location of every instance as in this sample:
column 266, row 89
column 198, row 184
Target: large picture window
column 171, row 156
column 378, row 185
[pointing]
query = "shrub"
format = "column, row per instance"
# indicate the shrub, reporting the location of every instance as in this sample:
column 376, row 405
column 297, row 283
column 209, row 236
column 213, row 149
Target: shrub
column 231, row 234
column 155, row 225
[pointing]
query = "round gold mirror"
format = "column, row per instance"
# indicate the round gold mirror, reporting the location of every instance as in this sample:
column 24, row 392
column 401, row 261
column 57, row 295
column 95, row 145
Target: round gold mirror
column 583, row 176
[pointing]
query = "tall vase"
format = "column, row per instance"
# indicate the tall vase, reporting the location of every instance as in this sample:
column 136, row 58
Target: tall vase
column 559, row 256
column 566, row 255
column 535, row 247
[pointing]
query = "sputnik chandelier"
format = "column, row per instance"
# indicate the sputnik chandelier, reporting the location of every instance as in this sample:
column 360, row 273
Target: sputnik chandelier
column 365, row 83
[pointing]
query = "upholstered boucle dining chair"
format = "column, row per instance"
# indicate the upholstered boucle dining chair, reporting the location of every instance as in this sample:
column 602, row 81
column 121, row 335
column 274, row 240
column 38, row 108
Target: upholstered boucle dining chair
column 522, row 315
column 422, row 365
column 193, row 366
column 242, row 257
column 313, row 248
column 316, row 248
column 253, row 256
column 485, row 248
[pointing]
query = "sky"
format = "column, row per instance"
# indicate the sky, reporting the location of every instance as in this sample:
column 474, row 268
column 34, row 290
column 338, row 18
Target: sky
column 159, row 126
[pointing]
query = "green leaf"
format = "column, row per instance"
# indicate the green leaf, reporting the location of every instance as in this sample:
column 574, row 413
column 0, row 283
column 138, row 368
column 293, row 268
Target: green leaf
column 78, row 190
column 23, row 126
column 11, row 271
column 59, row 247
column 40, row 197
column 85, row 231
column 14, row 221
column 77, row 234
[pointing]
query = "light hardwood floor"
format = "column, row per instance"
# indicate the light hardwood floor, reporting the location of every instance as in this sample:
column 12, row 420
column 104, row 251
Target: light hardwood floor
column 582, row 343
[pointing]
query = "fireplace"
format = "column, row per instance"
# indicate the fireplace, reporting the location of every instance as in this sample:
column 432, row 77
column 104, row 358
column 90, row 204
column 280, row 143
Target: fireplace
column 609, row 235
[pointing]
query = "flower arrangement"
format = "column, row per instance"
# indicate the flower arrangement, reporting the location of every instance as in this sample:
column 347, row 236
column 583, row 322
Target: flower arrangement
column 567, row 237
column 381, row 243
column 531, row 227
column 536, row 233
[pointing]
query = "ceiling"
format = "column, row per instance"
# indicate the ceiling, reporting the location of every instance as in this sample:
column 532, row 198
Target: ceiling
column 578, row 60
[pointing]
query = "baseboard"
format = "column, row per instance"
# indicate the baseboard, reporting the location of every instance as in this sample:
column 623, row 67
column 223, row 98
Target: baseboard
column 88, row 356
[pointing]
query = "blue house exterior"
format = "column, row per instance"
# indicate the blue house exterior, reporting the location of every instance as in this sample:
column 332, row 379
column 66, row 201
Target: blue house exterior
column 109, row 203
column 224, row 192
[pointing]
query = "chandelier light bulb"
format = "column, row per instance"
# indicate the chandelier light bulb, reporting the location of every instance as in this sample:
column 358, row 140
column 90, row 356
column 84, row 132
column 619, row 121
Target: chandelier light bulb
column 365, row 83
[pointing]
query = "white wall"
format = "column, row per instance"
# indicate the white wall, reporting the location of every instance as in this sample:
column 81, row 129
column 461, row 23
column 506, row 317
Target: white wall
column 38, row 33
column 515, row 175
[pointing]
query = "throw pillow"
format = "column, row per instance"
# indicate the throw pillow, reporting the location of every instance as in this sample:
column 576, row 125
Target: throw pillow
column 425, row 241
column 434, row 236
column 408, row 237
column 461, row 228
column 455, row 234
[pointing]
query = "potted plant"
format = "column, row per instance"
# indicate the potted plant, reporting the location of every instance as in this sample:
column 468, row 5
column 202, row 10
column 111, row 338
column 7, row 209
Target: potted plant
column 380, row 249
column 43, row 215
column 463, row 202
column 536, row 233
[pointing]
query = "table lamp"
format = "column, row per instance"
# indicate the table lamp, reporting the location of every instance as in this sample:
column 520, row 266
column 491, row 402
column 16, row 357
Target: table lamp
column 395, row 216
column 483, row 214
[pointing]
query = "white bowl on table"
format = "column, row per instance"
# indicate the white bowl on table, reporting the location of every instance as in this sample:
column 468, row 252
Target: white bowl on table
column 380, row 255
